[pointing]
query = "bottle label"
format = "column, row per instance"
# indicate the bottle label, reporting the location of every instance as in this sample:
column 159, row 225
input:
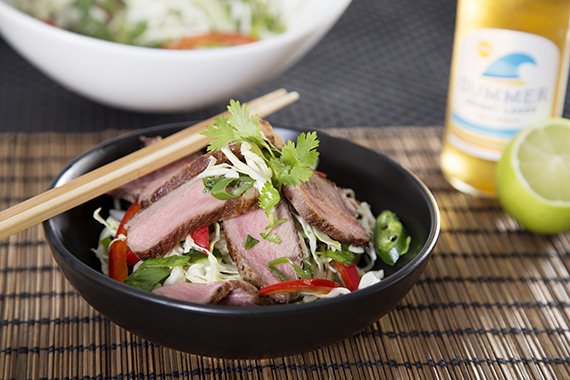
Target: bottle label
column 504, row 80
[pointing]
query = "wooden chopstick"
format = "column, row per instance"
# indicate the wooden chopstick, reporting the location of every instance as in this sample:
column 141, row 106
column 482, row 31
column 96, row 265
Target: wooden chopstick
column 119, row 172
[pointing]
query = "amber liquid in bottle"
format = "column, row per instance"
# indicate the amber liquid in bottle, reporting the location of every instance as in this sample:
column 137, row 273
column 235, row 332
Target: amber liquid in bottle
column 493, row 89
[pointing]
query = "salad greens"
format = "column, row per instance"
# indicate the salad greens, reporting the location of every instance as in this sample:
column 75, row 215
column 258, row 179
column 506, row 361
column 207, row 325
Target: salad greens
column 154, row 271
column 343, row 256
column 162, row 23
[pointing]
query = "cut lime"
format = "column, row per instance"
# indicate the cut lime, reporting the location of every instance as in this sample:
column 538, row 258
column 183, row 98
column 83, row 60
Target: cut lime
column 533, row 177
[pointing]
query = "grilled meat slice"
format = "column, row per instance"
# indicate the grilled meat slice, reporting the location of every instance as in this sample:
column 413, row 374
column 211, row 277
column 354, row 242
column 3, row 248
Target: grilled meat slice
column 158, row 228
column 232, row 292
column 325, row 206
column 252, row 263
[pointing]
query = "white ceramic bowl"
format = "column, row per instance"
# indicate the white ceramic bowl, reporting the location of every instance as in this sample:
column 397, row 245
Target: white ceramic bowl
column 159, row 80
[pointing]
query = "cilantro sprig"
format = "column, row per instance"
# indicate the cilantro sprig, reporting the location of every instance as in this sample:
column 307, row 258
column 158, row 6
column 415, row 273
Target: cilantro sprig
column 291, row 165
column 297, row 160
column 238, row 126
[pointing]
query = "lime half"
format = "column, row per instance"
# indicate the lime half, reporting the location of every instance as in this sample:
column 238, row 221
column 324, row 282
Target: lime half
column 533, row 177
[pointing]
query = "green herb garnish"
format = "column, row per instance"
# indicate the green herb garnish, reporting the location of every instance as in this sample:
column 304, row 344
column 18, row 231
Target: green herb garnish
column 301, row 273
column 154, row 271
column 224, row 188
column 250, row 242
column 297, row 160
column 290, row 166
column 238, row 126
column 343, row 256
column 273, row 238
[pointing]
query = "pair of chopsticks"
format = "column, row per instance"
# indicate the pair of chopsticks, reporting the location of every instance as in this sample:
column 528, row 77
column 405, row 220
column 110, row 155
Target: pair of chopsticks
column 117, row 173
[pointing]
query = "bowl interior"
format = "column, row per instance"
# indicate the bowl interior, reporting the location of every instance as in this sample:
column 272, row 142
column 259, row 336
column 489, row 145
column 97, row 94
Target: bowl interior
column 375, row 179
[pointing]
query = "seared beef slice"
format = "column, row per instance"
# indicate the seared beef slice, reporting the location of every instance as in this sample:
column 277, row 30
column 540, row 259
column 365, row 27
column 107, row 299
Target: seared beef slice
column 232, row 292
column 164, row 185
column 137, row 190
column 158, row 228
column 325, row 206
column 252, row 263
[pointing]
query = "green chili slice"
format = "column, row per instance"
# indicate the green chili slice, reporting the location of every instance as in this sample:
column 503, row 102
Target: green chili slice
column 224, row 188
column 390, row 237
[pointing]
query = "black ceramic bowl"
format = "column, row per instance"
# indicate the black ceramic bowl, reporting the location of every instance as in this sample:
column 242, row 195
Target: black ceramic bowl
column 250, row 332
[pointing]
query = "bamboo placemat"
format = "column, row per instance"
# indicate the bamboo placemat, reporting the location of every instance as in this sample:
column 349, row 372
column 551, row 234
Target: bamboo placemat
column 493, row 302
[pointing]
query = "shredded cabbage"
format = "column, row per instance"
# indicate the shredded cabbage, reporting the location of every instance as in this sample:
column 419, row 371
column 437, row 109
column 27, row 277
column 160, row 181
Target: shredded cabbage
column 370, row 278
column 310, row 297
column 111, row 225
column 368, row 221
column 254, row 166
column 213, row 170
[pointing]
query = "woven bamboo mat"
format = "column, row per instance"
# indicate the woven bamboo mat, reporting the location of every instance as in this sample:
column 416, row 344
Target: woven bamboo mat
column 493, row 302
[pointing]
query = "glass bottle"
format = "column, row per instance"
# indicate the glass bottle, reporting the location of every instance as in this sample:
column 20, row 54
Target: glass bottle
column 509, row 69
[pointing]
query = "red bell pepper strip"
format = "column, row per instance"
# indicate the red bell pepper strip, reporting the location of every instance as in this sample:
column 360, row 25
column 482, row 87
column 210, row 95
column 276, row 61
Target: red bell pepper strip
column 132, row 259
column 349, row 275
column 131, row 211
column 118, row 261
column 118, row 251
column 311, row 285
column 201, row 237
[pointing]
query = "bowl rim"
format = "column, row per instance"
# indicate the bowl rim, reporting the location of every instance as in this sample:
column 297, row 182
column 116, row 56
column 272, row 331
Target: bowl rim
column 116, row 47
column 209, row 309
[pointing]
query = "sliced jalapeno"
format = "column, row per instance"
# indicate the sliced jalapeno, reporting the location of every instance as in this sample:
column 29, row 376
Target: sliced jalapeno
column 390, row 237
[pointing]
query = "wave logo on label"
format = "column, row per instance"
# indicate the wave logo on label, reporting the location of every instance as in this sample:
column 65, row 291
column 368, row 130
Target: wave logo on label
column 508, row 67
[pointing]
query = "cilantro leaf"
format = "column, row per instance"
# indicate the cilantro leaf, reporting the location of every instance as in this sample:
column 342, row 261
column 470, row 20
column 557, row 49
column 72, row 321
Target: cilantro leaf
column 222, row 133
column 303, row 153
column 245, row 124
column 297, row 160
column 238, row 126
column 300, row 174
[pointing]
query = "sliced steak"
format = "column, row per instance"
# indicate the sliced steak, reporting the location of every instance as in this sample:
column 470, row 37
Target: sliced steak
column 184, row 174
column 242, row 294
column 252, row 263
column 325, row 206
column 165, row 184
column 136, row 189
column 232, row 292
column 142, row 188
column 158, row 228
column 155, row 185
